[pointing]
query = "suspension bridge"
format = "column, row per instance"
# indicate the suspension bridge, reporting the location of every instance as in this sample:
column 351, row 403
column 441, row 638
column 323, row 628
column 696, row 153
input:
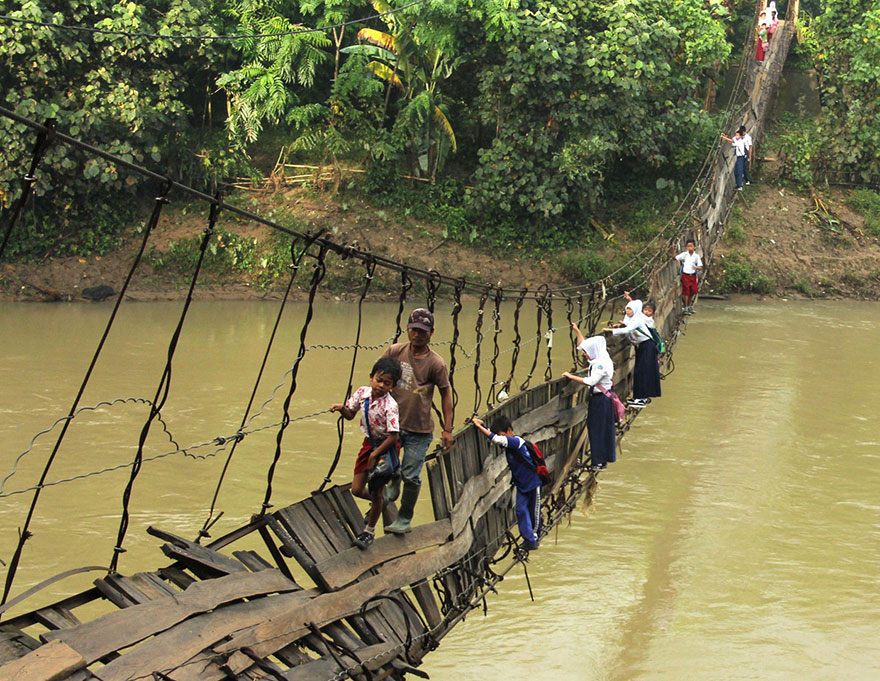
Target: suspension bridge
column 308, row 606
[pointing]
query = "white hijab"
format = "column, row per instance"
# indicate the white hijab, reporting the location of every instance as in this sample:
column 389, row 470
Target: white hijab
column 597, row 350
column 638, row 318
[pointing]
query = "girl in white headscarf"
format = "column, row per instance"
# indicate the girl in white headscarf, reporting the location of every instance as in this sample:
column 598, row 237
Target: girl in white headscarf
column 600, row 413
column 646, row 373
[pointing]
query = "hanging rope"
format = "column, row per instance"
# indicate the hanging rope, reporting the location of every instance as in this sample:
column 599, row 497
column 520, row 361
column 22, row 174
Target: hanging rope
column 405, row 285
column 517, row 342
column 29, row 179
column 24, row 532
column 456, row 310
column 432, row 285
column 540, row 313
column 478, row 390
column 547, row 306
column 163, row 388
column 569, row 314
column 296, row 259
column 317, row 276
column 496, row 318
column 340, row 422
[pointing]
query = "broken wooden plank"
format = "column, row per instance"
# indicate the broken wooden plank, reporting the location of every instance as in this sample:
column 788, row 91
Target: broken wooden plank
column 122, row 628
column 195, row 556
column 51, row 662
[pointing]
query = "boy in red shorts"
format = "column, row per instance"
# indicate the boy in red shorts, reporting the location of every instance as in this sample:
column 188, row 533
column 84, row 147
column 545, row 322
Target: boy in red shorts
column 691, row 266
column 380, row 424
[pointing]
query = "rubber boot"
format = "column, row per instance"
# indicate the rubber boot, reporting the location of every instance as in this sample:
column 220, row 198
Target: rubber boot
column 392, row 489
column 407, row 504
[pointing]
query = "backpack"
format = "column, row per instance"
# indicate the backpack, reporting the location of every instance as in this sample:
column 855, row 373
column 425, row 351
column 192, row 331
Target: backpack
column 658, row 340
column 539, row 465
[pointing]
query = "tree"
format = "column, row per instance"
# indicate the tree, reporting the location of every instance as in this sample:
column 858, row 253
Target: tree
column 581, row 85
column 133, row 96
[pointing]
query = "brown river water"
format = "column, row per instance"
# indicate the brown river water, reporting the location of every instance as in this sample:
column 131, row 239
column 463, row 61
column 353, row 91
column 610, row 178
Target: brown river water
column 738, row 537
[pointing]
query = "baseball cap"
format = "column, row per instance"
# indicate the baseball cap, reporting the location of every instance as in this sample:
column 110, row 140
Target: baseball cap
column 421, row 319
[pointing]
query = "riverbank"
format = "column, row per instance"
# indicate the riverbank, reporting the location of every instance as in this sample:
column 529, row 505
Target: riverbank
column 780, row 241
column 787, row 242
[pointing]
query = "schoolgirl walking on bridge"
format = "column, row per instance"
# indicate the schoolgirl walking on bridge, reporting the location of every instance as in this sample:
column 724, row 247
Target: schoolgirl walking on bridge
column 378, row 458
column 600, row 413
column 636, row 326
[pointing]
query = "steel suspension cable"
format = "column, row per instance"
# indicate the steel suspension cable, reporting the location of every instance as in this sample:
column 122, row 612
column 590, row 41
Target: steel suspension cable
column 496, row 318
column 317, row 275
column 29, row 179
column 163, row 388
column 478, row 390
column 405, row 285
column 295, row 259
column 340, row 430
column 24, row 532
column 453, row 346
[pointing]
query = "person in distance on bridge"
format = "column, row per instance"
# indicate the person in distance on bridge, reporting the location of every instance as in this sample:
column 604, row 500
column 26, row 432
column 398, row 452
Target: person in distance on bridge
column 423, row 370
column 691, row 266
column 747, row 162
column 525, row 474
column 600, row 412
column 739, row 146
column 378, row 457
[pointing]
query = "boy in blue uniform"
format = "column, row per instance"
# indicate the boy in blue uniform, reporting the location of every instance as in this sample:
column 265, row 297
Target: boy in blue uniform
column 525, row 474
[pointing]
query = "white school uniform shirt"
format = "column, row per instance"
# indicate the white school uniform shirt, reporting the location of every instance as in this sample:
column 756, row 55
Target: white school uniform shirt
column 632, row 324
column 740, row 146
column 747, row 143
column 689, row 262
column 601, row 366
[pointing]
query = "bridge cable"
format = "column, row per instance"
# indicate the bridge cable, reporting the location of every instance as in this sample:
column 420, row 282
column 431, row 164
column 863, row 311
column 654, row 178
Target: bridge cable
column 496, row 350
column 478, row 389
column 29, row 179
column 24, row 532
column 340, row 430
column 405, row 285
column 296, row 260
column 317, row 275
column 456, row 310
column 164, row 385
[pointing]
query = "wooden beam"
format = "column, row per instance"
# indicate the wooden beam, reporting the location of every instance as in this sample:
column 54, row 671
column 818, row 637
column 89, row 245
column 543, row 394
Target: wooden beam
column 51, row 662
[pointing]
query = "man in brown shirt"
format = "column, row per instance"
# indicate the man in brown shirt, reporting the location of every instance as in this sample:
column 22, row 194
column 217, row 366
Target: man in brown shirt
column 422, row 370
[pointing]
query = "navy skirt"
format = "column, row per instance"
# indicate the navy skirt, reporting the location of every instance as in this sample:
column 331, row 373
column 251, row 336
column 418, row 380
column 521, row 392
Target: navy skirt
column 600, row 426
column 646, row 374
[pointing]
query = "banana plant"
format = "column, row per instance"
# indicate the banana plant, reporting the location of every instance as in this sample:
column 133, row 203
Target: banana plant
column 414, row 70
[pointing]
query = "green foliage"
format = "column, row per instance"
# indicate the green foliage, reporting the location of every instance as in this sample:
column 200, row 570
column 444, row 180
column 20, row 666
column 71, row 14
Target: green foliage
column 741, row 275
column 735, row 234
column 802, row 286
column 802, row 148
column 583, row 85
column 132, row 96
column 844, row 43
column 867, row 202
column 584, row 266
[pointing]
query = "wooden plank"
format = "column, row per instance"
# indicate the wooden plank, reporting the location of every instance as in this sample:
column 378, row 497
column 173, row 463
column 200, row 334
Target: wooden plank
column 56, row 618
column 437, row 485
column 195, row 556
column 119, row 629
column 346, row 567
column 176, row 576
column 112, row 594
column 325, row 516
column 301, row 526
column 291, row 547
column 51, row 662
column 347, row 508
column 538, row 417
column 253, row 560
column 15, row 643
column 326, row 668
column 428, row 604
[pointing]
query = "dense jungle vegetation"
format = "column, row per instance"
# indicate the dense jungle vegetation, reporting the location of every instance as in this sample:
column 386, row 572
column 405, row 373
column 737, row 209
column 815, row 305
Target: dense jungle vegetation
column 523, row 116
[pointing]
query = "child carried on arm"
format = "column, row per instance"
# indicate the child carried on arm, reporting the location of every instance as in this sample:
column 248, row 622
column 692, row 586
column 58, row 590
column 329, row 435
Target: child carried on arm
column 525, row 474
column 380, row 423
